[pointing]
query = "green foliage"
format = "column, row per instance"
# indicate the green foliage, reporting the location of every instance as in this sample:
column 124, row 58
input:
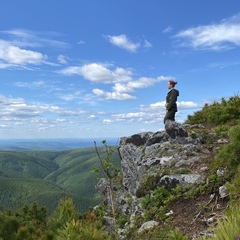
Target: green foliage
column 147, row 185
column 8, row 227
column 228, row 156
column 28, row 223
column 176, row 234
column 68, row 224
column 216, row 114
column 109, row 167
column 156, row 203
column 65, row 212
column 31, row 223
column 201, row 189
column 79, row 230
column 234, row 187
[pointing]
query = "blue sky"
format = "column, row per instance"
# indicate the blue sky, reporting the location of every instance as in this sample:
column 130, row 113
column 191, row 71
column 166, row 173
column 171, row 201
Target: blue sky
column 99, row 69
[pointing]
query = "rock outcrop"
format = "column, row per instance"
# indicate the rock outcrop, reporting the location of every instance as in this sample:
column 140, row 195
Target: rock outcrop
column 169, row 157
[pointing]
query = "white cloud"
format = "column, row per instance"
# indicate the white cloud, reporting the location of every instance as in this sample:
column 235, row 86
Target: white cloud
column 123, row 42
column 147, row 44
column 26, row 38
column 34, row 84
column 181, row 105
column 222, row 36
column 17, row 108
column 157, row 105
column 60, row 120
column 107, row 121
column 168, row 29
column 17, row 51
column 62, row 59
column 122, row 79
column 99, row 72
column 80, row 42
column 121, row 88
column 188, row 105
column 15, row 55
column 152, row 113
column 112, row 95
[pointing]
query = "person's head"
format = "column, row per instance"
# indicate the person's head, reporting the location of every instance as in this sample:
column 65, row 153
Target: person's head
column 171, row 84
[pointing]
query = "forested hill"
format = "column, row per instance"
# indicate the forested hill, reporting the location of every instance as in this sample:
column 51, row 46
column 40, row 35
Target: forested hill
column 46, row 176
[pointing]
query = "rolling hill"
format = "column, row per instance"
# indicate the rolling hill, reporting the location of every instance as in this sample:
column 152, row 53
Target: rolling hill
column 46, row 176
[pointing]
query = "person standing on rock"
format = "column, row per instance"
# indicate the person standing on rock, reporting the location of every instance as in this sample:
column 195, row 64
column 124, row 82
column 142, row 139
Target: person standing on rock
column 171, row 101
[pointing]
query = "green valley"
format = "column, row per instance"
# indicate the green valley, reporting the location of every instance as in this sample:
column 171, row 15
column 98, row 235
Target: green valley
column 45, row 177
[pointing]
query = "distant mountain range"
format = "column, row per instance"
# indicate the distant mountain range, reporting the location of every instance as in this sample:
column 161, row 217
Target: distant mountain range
column 51, row 144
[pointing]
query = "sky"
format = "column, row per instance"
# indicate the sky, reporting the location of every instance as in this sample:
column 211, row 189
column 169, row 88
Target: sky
column 100, row 68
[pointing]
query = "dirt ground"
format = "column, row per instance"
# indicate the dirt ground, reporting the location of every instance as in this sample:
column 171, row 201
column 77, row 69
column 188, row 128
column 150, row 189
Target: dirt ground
column 194, row 217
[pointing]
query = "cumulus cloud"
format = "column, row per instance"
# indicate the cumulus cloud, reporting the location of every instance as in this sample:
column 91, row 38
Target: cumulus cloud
column 15, row 55
column 35, row 116
column 123, row 42
column 112, row 95
column 99, row 72
column 19, row 108
column 220, row 36
column 17, row 51
column 181, row 105
column 188, row 105
column 122, row 79
column 152, row 113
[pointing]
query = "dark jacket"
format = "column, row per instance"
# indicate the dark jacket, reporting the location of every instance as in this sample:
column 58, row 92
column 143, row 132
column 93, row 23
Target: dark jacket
column 171, row 100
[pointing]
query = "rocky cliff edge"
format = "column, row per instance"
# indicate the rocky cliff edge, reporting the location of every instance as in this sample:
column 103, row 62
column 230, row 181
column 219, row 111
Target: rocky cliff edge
column 176, row 156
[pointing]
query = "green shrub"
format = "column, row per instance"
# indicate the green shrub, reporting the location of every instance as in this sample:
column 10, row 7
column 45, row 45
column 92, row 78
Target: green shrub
column 225, row 112
column 176, row 234
column 147, row 185
column 228, row 156
column 155, row 204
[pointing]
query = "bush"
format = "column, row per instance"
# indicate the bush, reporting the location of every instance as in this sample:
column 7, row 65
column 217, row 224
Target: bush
column 228, row 156
column 156, row 203
column 226, row 112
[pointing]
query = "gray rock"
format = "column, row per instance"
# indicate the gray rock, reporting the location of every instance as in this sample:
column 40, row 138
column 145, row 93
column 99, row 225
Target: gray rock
column 189, row 161
column 184, row 180
column 137, row 139
column 223, row 191
column 174, row 129
column 150, row 154
column 157, row 137
column 103, row 187
column 131, row 158
column 147, row 225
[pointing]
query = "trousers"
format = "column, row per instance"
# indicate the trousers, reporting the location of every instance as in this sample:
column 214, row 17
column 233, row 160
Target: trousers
column 170, row 115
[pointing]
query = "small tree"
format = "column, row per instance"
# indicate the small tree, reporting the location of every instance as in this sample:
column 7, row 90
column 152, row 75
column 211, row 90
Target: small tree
column 110, row 170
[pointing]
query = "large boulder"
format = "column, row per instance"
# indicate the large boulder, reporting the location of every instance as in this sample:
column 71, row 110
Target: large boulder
column 175, row 129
